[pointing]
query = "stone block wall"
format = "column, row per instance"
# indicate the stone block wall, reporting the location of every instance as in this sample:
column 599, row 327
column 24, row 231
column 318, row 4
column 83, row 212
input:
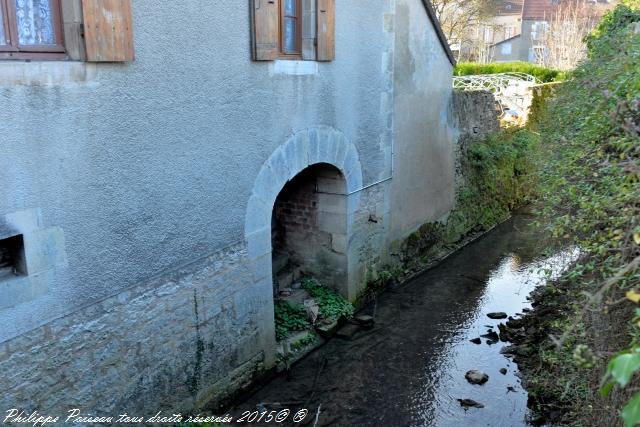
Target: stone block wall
column 309, row 225
column 475, row 114
column 175, row 343
column 194, row 337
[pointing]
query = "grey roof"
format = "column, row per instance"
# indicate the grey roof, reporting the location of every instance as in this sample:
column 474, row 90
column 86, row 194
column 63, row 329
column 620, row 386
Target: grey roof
column 507, row 40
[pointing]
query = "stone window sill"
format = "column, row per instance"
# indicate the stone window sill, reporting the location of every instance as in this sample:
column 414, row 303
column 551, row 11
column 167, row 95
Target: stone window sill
column 45, row 73
column 290, row 67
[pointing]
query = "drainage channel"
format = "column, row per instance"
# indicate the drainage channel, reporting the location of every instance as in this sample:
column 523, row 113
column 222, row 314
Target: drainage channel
column 409, row 369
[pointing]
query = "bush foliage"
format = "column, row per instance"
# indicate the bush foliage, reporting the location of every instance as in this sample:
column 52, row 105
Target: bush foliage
column 590, row 187
column 332, row 305
column 498, row 178
column 545, row 75
column 614, row 24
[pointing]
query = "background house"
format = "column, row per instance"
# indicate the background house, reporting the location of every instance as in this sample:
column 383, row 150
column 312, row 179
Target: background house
column 551, row 32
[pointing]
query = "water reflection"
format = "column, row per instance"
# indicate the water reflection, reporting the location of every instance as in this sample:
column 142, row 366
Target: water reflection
column 409, row 370
column 504, row 398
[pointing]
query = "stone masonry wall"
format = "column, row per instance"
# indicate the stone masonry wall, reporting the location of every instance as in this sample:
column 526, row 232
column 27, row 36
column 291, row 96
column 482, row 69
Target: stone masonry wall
column 177, row 343
column 310, row 225
column 296, row 207
column 476, row 115
column 200, row 332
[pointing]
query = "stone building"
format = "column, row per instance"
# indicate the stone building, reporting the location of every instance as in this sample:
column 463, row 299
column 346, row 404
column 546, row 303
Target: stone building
column 144, row 147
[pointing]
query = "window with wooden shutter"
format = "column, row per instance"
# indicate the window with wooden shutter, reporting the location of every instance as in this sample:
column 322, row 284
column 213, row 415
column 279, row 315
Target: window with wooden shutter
column 293, row 29
column 108, row 30
column 82, row 30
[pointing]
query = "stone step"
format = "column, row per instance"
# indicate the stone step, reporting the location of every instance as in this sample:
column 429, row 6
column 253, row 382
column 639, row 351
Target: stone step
column 347, row 331
column 296, row 296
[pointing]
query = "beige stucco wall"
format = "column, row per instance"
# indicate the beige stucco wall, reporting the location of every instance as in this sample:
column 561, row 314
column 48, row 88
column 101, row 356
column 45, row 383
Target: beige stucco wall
column 423, row 185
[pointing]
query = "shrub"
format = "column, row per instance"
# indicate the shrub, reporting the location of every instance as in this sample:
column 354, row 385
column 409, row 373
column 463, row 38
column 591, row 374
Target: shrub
column 614, row 22
column 590, row 185
column 545, row 75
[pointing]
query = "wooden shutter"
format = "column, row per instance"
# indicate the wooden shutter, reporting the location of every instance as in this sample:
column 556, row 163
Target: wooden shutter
column 108, row 30
column 326, row 30
column 265, row 22
column 309, row 24
column 73, row 29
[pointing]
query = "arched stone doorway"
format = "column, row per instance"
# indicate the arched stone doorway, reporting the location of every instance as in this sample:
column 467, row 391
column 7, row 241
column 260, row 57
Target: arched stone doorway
column 322, row 145
column 309, row 229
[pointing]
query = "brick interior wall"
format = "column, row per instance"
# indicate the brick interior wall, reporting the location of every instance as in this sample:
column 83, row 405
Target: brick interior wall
column 295, row 211
column 303, row 227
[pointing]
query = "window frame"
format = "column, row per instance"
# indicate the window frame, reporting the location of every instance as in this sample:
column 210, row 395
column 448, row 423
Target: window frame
column 299, row 22
column 14, row 51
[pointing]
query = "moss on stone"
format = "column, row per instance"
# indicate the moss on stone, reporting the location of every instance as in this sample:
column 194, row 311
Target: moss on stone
column 497, row 176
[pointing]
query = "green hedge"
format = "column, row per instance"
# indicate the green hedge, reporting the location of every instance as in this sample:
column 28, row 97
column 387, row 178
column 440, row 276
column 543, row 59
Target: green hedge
column 545, row 75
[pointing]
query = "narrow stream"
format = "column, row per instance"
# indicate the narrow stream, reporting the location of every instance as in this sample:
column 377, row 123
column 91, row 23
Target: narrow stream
column 409, row 370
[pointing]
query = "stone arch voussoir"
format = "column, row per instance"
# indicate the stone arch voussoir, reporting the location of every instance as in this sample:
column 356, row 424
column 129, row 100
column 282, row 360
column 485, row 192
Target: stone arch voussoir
column 305, row 148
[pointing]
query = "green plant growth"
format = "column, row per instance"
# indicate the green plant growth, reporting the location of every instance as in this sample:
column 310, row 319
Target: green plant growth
column 290, row 317
column 541, row 95
column 305, row 341
column 590, row 186
column 499, row 175
column 545, row 75
column 614, row 24
column 332, row 305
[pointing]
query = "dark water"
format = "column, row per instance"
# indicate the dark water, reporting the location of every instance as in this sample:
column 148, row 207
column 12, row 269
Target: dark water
column 409, row 370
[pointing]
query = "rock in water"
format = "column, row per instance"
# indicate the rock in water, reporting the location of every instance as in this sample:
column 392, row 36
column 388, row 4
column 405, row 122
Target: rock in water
column 365, row 320
column 509, row 350
column 497, row 315
column 476, row 377
column 503, row 371
column 476, row 341
column 491, row 335
column 468, row 403
column 505, row 333
column 515, row 323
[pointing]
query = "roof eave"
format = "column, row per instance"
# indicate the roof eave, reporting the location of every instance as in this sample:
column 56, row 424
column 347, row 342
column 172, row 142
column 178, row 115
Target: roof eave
column 436, row 25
